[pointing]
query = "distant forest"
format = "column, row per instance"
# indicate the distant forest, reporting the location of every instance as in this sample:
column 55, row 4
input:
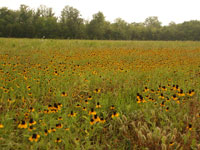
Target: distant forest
column 42, row 23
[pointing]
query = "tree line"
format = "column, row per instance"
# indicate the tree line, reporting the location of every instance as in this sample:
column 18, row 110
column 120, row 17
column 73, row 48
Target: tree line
column 42, row 22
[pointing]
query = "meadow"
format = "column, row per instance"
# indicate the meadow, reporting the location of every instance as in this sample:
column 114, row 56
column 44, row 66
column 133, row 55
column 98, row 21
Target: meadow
column 99, row 95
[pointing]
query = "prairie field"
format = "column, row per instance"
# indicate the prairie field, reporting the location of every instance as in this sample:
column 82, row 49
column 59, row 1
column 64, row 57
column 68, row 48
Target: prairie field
column 99, row 95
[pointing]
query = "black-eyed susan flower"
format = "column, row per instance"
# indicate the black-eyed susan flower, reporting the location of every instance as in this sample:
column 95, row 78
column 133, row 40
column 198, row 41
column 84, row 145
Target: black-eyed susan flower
column 180, row 93
column 50, row 107
column 92, row 112
column 31, row 109
column 31, row 128
column 178, row 101
column 6, row 90
column 78, row 105
column 77, row 139
column 96, row 118
column 149, row 99
column 174, row 97
column 29, row 88
column 46, row 111
column 102, row 120
column 167, row 109
column 67, row 129
column 64, row 94
column 56, row 73
column 98, row 105
column 22, row 125
column 146, row 89
column 115, row 114
column 72, row 114
column 58, row 140
column 177, row 88
column 174, row 87
column 157, row 92
column 1, row 126
column 191, row 93
column 54, row 110
column 89, row 98
column 50, row 91
column 138, row 96
column 139, row 101
column 81, row 96
column 171, row 143
column 60, row 105
column 86, row 101
column 84, row 108
column 53, row 130
column 55, row 106
column 189, row 126
column 94, row 72
column 143, row 100
column 167, row 99
column 85, row 80
column 152, row 91
column 59, row 125
column 112, row 107
column 11, row 100
column 162, row 104
column 46, row 132
column 49, row 131
column 92, row 121
column 161, row 96
column 97, row 91
column 34, row 137
column 164, row 88
column 25, row 77
column 26, row 115
column 60, row 118
column 32, row 122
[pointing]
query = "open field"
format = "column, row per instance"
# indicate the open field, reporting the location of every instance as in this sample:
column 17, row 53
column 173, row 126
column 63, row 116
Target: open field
column 73, row 94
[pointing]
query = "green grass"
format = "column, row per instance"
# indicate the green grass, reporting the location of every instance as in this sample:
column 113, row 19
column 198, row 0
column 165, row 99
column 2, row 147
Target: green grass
column 35, row 72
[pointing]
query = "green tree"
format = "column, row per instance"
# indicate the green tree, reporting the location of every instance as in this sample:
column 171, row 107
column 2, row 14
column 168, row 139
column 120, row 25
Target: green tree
column 45, row 23
column 96, row 29
column 8, row 22
column 71, row 23
column 137, row 31
column 153, row 26
column 121, row 30
column 26, row 21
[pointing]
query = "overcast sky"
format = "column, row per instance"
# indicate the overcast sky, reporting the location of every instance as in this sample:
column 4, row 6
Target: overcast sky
column 129, row 10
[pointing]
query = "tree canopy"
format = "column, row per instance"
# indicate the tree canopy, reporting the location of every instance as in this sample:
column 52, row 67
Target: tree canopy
column 29, row 23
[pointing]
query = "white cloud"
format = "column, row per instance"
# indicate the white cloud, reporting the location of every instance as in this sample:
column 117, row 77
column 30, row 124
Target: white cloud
column 129, row 10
